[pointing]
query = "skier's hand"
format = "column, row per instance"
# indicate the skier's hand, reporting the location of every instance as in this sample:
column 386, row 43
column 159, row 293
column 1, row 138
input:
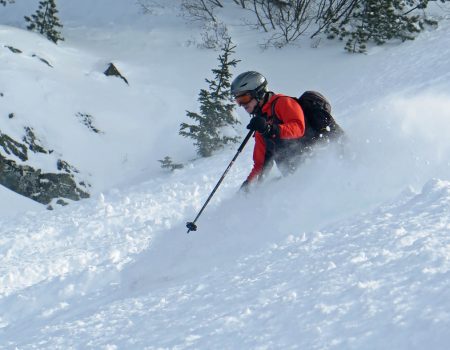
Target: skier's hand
column 258, row 124
column 262, row 126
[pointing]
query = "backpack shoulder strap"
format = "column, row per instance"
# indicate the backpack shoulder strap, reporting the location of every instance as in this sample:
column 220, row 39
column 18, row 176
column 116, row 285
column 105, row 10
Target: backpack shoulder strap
column 274, row 114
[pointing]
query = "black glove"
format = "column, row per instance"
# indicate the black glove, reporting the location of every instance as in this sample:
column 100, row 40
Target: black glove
column 261, row 125
column 258, row 124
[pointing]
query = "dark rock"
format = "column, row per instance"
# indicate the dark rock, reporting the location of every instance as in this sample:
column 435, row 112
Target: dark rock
column 11, row 146
column 61, row 202
column 113, row 71
column 64, row 166
column 88, row 121
column 32, row 141
column 42, row 60
column 41, row 187
column 31, row 182
column 13, row 49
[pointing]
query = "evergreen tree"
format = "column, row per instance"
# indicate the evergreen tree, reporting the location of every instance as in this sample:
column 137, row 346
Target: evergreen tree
column 167, row 163
column 45, row 21
column 4, row 2
column 216, row 108
column 379, row 21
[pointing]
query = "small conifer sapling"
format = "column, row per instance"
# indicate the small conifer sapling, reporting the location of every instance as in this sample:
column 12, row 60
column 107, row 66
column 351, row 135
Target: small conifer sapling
column 45, row 21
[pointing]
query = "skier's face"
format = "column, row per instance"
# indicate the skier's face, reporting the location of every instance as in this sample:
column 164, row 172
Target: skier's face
column 247, row 101
column 250, row 107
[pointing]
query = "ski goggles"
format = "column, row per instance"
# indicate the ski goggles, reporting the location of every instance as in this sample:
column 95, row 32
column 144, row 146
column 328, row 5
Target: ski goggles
column 243, row 99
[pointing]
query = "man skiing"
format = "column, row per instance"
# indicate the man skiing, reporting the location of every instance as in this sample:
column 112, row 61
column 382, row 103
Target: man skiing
column 278, row 122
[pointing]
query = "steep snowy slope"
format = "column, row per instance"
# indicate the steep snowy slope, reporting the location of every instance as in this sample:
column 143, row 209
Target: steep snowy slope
column 350, row 252
column 376, row 281
column 73, row 108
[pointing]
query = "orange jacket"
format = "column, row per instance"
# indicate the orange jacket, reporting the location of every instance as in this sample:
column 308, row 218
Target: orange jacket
column 291, row 122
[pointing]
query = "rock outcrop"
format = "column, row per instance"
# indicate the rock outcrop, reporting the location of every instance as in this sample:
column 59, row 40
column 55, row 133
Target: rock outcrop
column 43, row 187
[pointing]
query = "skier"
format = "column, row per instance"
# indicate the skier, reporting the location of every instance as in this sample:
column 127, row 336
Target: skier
column 278, row 122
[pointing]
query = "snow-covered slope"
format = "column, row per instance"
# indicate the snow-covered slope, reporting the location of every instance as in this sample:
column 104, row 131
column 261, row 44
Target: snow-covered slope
column 350, row 252
column 74, row 109
column 13, row 203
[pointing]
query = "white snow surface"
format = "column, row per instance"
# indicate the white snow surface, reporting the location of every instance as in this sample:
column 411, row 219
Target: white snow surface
column 351, row 252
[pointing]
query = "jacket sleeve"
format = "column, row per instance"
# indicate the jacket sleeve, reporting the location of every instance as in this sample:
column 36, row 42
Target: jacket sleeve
column 291, row 114
column 259, row 155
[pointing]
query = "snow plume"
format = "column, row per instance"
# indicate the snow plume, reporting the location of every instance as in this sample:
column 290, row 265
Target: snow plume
column 403, row 138
column 392, row 144
column 426, row 122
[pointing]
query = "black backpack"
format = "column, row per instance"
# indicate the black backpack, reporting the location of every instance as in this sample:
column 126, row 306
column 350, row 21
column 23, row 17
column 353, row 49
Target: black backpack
column 320, row 124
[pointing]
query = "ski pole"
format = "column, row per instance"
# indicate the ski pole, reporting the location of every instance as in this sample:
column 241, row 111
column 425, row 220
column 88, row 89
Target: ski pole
column 191, row 225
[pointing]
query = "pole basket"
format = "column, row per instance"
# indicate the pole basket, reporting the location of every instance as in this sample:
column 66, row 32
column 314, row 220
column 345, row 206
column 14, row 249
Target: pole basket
column 191, row 226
